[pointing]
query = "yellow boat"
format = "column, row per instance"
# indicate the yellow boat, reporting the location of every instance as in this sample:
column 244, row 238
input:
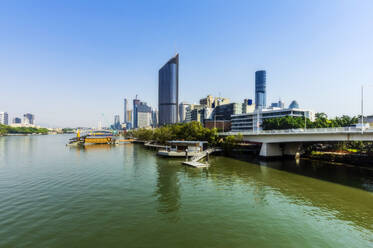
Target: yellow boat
column 94, row 137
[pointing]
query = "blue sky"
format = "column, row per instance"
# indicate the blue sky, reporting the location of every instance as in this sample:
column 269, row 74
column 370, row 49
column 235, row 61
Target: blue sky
column 69, row 62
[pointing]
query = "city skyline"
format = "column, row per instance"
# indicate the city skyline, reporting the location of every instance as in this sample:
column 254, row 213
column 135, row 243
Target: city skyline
column 309, row 51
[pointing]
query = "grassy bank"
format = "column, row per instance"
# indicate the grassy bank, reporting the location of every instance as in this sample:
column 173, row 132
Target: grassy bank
column 5, row 129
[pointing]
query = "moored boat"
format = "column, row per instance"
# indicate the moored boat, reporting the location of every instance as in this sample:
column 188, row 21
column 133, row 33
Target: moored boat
column 93, row 137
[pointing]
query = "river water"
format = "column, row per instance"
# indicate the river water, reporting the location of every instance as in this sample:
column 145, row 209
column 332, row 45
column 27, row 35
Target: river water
column 125, row 196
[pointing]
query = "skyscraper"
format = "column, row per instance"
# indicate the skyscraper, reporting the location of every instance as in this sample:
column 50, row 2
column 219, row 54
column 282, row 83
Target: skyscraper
column 168, row 92
column 129, row 116
column 144, row 115
column 154, row 118
column 136, row 103
column 4, row 118
column 260, row 89
column 125, row 110
column 116, row 124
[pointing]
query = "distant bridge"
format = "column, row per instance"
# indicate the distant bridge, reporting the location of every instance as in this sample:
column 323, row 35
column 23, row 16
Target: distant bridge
column 288, row 142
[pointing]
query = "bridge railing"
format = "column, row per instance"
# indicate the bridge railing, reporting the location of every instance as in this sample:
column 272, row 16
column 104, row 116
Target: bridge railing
column 302, row 131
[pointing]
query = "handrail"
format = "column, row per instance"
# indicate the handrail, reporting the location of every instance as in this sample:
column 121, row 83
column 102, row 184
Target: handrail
column 301, row 131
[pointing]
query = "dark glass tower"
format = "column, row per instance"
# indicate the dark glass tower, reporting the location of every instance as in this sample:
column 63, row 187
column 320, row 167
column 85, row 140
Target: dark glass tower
column 260, row 89
column 168, row 92
column 136, row 104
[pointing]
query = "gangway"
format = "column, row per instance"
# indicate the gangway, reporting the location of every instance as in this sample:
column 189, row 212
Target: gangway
column 194, row 160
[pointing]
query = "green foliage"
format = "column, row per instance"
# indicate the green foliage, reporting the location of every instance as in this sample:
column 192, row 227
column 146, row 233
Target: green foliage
column 230, row 142
column 180, row 131
column 345, row 146
column 321, row 121
column 5, row 129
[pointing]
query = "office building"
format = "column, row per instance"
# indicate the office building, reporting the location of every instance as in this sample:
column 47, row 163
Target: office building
column 224, row 112
column 125, row 110
column 17, row 120
column 252, row 121
column 260, row 89
column 142, row 114
column 248, row 106
column 212, row 102
column 4, row 118
column 136, row 103
column 182, row 111
column 116, row 125
column 28, row 119
column 144, row 119
column 192, row 113
column 168, row 92
column 221, row 125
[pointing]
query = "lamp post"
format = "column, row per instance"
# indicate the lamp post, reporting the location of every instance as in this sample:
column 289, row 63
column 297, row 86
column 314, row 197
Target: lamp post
column 362, row 107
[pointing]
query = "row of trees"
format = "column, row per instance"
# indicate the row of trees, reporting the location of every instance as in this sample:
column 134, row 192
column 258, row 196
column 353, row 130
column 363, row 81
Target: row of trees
column 5, row 129
column 186, row 131
column 321, row 121
column 180, row 131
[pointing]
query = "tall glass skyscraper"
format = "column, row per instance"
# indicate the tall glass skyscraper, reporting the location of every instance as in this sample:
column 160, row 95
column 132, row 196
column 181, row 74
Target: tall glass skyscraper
column 260, row 89
column 136, row 103
column 168, row 92
column 125, row 110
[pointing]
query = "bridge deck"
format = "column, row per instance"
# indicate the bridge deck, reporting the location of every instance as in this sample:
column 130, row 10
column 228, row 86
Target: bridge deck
column 306, row 135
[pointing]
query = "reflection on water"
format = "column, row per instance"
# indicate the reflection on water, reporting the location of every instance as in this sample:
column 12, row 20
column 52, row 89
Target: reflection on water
column 168, row 189
column 91, row 147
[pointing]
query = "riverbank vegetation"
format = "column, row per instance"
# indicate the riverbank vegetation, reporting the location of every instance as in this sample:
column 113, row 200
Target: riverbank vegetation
column 348, row 147
column 5, row 129
column 321, row 121
column 193, row 131
column 179, row 131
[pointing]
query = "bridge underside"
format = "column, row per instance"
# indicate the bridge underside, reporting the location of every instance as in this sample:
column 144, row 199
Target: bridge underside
column 280, row 149
column 276, row 145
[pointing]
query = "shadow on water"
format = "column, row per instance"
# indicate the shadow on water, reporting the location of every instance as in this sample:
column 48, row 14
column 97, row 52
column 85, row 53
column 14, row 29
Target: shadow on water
column 344, row 174
column 302, row 184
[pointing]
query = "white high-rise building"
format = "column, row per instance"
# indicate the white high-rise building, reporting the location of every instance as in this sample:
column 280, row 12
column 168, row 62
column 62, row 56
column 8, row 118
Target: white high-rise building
column 144, row 119
column 182, row 111
column 4, row 118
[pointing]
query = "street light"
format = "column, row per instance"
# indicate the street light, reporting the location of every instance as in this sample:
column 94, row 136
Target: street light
column 362, row 106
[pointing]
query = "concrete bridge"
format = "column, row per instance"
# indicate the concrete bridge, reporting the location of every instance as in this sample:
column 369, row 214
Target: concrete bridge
column 288, row 142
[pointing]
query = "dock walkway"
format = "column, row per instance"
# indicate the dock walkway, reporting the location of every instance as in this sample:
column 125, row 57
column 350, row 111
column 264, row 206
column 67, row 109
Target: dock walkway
column 194, row 160
column 150, row 145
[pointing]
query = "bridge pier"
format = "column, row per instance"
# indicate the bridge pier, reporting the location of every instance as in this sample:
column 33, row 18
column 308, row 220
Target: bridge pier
column 269, row 150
